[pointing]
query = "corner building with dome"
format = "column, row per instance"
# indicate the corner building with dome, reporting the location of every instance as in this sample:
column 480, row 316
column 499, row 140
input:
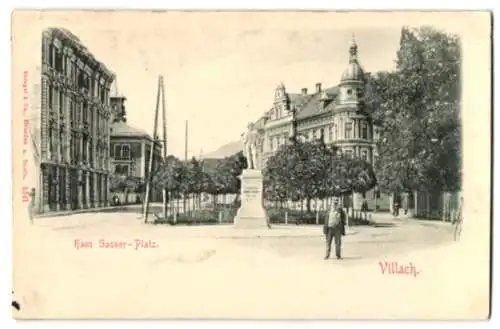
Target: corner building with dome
column 336, row 114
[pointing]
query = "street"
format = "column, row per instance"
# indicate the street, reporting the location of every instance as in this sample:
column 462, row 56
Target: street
column 112, row 264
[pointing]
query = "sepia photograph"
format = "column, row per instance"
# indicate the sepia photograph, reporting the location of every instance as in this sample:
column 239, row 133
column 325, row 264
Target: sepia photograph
column 251, row 165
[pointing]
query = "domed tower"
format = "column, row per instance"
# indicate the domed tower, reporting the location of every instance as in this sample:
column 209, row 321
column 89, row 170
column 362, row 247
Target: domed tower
column 355, row 124
column 352, row 81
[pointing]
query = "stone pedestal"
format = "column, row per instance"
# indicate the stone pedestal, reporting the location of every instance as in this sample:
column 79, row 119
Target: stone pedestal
column 251, row 213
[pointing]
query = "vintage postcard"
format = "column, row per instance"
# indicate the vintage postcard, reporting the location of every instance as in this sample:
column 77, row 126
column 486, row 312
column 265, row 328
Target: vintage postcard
column 251, row 165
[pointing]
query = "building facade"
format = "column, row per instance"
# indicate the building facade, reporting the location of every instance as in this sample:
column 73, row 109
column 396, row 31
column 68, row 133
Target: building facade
column 130, row 151
column 74, row 125
column 335, row 114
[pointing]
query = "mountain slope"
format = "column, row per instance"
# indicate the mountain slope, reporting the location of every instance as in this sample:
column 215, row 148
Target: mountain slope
column 226, row 150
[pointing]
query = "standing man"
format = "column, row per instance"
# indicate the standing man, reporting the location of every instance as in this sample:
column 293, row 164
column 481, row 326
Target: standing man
column 334, row 228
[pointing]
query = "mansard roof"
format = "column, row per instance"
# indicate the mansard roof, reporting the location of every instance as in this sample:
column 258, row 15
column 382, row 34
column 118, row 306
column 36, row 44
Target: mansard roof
column 313, row 105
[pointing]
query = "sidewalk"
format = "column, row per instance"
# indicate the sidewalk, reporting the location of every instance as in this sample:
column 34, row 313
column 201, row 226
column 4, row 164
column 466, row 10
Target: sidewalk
column 387, row 217
column 80, row 211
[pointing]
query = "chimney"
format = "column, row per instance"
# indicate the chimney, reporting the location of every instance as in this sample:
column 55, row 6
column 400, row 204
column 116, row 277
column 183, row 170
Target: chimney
column 318, row 87
column 304, row 91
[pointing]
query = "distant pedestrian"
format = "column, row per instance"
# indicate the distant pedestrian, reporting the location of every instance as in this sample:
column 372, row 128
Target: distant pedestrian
column 116, row 200
column 406, row 204
column 334, row 229
column 395, row 206
column 364, row 209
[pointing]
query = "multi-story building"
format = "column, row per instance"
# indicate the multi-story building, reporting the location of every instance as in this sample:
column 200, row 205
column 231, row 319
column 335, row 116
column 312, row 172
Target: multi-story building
column 131, row 150
column 74, row 125
column 336, row 114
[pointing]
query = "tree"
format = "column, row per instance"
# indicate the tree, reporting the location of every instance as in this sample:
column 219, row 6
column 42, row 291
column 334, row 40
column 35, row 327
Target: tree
column 305, row 171
column 123, row 184
column 277, row 178
column 417, row 109
column 195, row 180
column 170, row 175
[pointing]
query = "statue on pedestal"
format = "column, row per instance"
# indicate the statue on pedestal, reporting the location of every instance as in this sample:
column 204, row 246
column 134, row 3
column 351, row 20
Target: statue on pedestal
column 251, row 213
column 250, row 139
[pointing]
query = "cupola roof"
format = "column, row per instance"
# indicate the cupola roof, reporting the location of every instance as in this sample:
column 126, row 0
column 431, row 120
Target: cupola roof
column 354, row 71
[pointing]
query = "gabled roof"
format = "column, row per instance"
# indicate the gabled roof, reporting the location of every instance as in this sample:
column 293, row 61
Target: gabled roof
column 308, row 104
column 299, row 99
column 122, row 129
column 311, row 104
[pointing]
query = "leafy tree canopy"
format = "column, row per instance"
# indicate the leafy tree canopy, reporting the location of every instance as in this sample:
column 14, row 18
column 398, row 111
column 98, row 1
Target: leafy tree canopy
column 417, row 110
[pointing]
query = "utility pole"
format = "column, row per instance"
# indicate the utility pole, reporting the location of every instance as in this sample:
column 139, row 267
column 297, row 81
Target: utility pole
column 165, row 196
column 154, row 143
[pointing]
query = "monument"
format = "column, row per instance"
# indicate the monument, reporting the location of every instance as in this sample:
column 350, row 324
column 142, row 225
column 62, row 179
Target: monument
column 251, row 213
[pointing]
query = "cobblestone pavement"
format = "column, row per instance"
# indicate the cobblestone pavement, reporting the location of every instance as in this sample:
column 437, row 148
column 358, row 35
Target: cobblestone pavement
column 217, row 271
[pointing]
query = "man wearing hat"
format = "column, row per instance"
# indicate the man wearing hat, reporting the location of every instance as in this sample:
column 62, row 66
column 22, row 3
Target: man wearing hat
column 334, row 228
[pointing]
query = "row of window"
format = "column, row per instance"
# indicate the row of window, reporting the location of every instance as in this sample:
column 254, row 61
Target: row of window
column 79, row 148
column 125, row 169
column 330, row 136
column 363, row 155
column 54, row 57
column 122, row 152
column 122, row 169
column 79, row 112
column 355, row 92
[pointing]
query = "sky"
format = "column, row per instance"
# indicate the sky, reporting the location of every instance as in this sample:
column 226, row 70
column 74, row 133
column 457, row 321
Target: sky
column 221, row 73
